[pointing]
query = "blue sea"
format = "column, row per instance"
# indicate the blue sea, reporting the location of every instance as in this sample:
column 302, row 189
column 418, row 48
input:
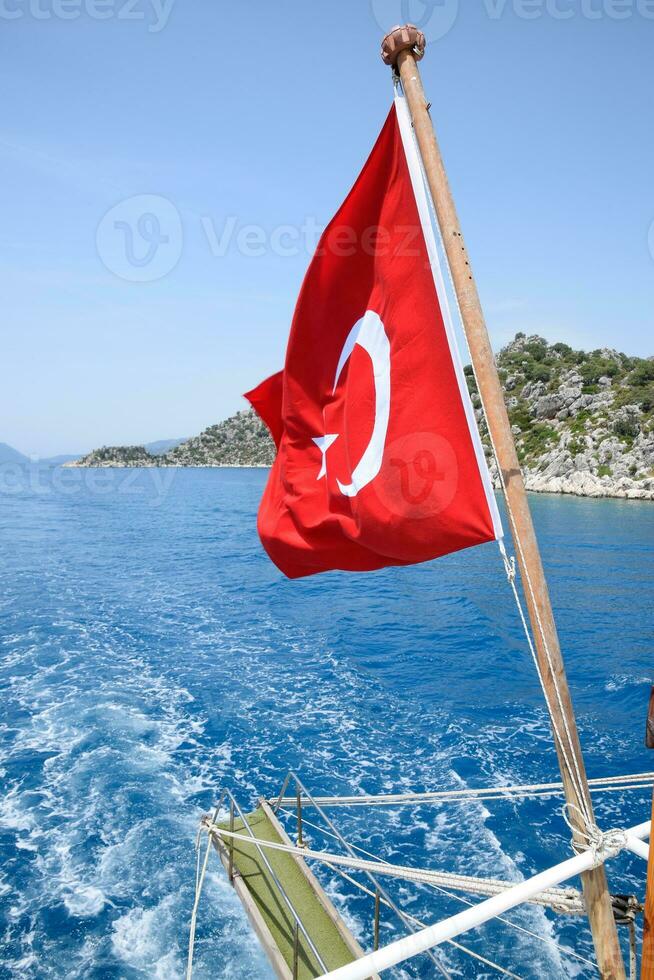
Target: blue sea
column 151, row 654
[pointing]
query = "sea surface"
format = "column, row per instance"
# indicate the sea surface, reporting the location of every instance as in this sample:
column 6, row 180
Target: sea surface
column 151, row 654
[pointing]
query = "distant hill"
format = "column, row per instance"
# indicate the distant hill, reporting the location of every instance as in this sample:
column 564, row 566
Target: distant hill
column 10, row 455
column 241, row 440
column 583, row 424
column 151, row 448
column 119, row 456
column 162, row 446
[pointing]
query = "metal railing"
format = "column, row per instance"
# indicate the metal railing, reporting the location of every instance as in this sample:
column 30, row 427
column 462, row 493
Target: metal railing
column 380, row 891
column 298, row 925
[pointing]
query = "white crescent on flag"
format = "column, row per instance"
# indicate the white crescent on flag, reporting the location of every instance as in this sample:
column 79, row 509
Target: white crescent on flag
column 369, row 334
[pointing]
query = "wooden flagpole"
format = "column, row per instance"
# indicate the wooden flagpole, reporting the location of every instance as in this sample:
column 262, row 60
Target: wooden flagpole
column 402, row 48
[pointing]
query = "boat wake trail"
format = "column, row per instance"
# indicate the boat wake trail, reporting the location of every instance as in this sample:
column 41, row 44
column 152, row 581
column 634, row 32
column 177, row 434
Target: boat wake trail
column 138, row 678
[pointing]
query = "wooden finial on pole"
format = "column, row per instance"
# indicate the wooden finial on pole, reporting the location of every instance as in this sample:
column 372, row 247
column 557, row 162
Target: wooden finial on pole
column 647, row 957
column 407, row 38
column 402, row 49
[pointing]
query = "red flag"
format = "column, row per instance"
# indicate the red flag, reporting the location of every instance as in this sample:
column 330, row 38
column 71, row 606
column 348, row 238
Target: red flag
column 379, row 459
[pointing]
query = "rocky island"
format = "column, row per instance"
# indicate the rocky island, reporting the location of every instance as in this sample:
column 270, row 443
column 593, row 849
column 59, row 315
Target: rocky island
column 583, row 424
column 242, row 440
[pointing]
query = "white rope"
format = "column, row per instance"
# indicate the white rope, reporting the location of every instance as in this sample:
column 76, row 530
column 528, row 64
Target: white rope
column 199, row 883
column 509, row 565
column 200, row 877
column 459, row 898
column 604, row 844
column 561, row 899
column 637, row 781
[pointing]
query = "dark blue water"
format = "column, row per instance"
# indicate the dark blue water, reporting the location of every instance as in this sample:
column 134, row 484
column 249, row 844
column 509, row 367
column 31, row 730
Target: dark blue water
column 151, row 654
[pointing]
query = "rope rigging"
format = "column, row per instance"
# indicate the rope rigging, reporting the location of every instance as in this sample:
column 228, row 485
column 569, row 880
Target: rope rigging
column 200, row 874
column 456, row 898
column 201, row 870
column 421, row 924
column 567, row 900
column 608, row 784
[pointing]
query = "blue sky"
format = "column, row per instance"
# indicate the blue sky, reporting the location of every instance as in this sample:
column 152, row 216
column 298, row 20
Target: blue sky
column 244, row 125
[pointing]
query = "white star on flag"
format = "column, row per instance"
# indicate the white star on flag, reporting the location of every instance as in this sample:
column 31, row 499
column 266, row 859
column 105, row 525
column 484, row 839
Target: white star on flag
column 323, row 443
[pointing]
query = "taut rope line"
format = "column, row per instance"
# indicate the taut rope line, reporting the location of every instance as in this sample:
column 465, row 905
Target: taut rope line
column 566, row 900
column 637, row 781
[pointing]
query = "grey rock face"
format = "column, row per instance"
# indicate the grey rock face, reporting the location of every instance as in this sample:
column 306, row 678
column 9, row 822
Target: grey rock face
column 578, row 441
column 547, row 406
column 533, row 390
column 626, row 421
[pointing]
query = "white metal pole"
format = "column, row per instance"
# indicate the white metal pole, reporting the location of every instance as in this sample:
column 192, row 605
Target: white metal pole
column 409, row 946
column 641, row 831
column 638, row 847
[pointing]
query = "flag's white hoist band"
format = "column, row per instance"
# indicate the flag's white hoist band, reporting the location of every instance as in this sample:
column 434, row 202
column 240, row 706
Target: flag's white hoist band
column 422, row 202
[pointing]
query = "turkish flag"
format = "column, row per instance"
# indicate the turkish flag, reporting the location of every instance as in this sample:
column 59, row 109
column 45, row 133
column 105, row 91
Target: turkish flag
column 379, row 460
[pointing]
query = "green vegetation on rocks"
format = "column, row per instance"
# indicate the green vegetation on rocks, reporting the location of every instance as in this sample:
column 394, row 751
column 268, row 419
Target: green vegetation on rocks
column 583, row 421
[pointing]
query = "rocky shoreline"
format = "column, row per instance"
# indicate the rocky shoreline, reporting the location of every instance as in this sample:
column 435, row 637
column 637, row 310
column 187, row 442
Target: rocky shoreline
column 587, row 485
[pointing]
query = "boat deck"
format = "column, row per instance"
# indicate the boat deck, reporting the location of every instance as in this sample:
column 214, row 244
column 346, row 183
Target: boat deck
column 268, row 911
